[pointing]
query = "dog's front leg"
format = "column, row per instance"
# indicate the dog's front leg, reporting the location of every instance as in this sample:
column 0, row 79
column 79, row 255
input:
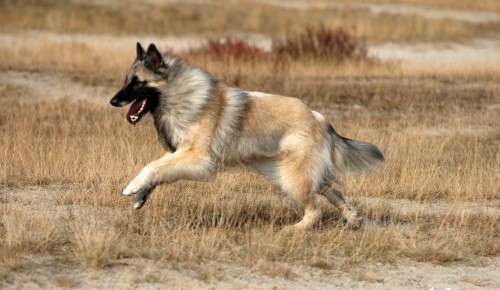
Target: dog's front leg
column 183, row 164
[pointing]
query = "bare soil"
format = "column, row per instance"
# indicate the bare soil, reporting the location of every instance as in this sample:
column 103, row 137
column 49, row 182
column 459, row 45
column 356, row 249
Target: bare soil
column 43, row 272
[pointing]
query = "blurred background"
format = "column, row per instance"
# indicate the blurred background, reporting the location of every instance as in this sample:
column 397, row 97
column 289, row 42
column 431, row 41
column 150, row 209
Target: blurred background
column 420, row 33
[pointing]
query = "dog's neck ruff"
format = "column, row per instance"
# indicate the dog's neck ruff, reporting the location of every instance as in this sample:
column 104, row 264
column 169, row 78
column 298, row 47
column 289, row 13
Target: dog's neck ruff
column 185, row 93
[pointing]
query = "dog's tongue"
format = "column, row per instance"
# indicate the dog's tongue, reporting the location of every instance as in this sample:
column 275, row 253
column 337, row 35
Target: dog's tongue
column 136, row 111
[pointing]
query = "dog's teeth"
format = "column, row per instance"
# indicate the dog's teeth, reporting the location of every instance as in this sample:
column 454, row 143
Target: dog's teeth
column 142, row 106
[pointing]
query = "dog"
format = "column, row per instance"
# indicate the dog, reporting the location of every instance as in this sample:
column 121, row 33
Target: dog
column 203, row 122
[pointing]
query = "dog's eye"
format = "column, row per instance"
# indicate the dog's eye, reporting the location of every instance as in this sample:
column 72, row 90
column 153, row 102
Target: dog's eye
column 136, row 81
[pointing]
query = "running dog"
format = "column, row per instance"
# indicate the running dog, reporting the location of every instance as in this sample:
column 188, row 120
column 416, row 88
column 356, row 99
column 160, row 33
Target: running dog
column 203, row 122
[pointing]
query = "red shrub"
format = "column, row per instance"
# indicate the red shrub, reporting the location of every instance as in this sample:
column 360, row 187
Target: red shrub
column 233, row 48
column 319, row 42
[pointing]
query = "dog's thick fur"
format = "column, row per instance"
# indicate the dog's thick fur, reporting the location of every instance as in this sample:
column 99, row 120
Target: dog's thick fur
column 203, row 122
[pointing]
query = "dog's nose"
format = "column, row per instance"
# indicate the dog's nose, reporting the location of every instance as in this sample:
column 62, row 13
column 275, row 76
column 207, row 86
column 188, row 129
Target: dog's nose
column 114, row 102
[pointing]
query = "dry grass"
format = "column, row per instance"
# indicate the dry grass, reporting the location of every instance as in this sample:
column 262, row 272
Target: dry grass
column 223, row 18
column 437, row 133
column 64, row 163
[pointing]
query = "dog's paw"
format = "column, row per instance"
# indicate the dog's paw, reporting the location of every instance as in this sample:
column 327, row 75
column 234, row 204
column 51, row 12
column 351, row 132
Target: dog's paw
column 141, row 198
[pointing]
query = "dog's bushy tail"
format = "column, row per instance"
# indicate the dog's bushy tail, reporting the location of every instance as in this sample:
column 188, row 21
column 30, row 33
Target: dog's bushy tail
column 351, row 156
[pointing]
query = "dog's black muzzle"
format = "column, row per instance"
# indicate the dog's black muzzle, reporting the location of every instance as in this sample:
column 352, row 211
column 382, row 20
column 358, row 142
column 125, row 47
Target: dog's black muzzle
column 122, row 98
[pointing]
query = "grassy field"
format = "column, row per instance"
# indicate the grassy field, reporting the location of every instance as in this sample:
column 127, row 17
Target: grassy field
column 218, row 18
column 64, row 161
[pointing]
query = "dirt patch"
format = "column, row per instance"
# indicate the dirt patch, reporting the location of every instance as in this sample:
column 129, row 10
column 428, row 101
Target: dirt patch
column 436, row 208
column 49, row 86
column 399, row 9
column 176, row 43
column 480, row 53
column 42, row 272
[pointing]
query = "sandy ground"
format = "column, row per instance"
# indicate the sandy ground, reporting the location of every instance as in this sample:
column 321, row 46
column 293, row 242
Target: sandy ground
column 395, row 8
column 147, row 274
column 480, row 53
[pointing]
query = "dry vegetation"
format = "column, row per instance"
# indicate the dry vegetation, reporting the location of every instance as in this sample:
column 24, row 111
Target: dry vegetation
column 65, row 162
column 217, row 18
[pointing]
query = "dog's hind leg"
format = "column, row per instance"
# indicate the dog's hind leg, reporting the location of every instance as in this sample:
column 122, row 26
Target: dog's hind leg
column 336, row 198
column 299, row 185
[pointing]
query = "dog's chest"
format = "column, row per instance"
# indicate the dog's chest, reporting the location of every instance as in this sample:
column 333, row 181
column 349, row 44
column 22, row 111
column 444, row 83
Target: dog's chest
column 170, row 132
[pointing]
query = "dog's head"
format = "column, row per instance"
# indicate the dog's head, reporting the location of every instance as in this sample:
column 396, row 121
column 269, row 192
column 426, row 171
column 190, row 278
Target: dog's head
column 142, row 84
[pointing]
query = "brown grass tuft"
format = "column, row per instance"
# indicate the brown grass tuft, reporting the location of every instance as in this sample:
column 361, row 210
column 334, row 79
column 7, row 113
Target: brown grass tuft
column 321, row 42
column 97, row 241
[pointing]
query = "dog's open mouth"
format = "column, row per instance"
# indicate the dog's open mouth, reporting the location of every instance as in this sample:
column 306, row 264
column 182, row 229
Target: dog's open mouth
column 137, row 110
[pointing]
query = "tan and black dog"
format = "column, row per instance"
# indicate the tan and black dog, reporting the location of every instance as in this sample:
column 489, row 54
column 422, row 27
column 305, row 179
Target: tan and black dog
column 203, row 122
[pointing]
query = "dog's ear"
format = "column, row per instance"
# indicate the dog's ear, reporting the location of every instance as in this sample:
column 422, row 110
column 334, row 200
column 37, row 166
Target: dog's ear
column 141, row 53
column 153, row 57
